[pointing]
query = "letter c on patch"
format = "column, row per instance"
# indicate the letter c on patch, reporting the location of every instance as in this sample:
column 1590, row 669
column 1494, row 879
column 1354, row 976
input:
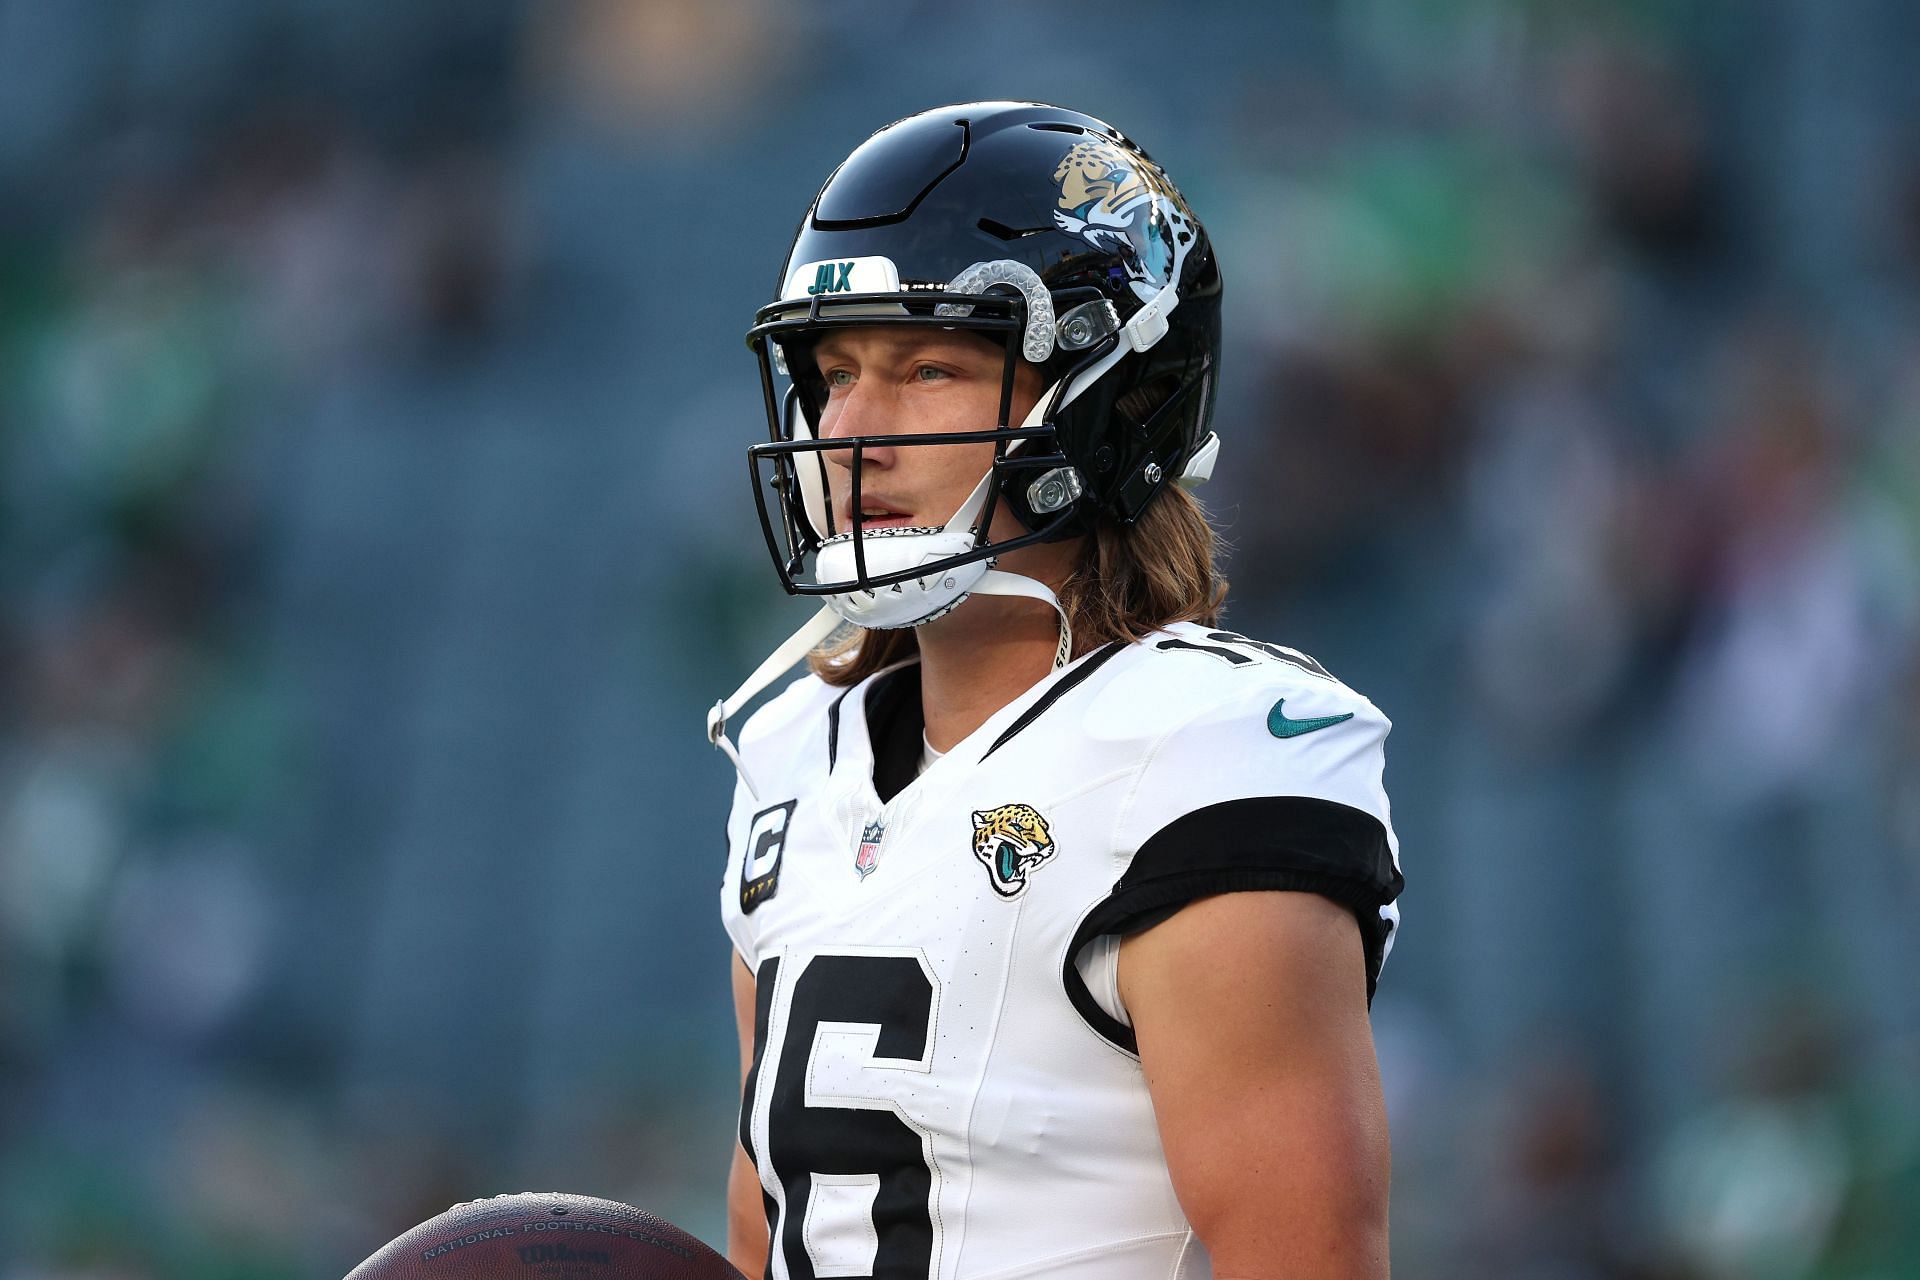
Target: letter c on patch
column 760, row 865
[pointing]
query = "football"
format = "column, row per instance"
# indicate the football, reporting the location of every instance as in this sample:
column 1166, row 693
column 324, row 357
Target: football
column 548, row 1235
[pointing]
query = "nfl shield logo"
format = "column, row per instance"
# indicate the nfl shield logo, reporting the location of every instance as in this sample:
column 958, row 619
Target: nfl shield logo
column 868, row 856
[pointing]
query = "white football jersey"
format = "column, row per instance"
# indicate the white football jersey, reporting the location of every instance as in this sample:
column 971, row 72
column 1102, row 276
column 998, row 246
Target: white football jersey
column 944, row 1081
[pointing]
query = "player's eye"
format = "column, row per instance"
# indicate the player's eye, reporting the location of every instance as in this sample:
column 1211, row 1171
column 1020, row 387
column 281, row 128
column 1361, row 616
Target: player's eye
column 839, row 377
column 930, row 373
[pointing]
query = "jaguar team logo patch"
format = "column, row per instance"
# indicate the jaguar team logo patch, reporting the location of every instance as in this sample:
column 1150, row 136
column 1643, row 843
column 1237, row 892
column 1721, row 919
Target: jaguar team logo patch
column 1011, row 842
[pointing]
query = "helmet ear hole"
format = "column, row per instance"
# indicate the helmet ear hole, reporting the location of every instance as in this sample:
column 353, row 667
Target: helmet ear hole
column 1137, row 406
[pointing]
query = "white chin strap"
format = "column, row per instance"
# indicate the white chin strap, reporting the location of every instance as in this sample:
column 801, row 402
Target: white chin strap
column 992, row 582
column 791, row 650
column 905, row 604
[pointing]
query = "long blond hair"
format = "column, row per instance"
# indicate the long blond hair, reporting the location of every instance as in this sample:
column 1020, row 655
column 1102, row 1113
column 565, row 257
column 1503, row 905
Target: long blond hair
column 1126, row 584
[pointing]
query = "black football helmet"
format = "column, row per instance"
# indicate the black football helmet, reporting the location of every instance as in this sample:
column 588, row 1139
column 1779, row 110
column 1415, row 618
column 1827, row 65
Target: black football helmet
column 1043, row 229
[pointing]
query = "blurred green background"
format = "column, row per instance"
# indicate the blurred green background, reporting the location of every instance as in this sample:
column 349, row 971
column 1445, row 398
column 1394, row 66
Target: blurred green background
column 374, row 532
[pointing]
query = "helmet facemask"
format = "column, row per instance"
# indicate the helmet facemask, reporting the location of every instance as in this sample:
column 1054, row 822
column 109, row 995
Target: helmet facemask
column 904, row 575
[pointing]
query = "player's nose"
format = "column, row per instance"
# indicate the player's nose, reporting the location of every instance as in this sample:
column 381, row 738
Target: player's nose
column 860, row 412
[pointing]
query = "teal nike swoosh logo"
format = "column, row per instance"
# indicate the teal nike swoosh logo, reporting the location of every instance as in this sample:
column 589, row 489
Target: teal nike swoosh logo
column 1280, row 725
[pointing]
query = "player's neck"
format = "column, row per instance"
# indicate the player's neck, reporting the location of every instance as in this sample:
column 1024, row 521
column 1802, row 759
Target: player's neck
column 979, row 658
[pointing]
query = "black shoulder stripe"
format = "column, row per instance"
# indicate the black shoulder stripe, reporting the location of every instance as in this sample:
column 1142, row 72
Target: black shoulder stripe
column 1067, row 684
column 1293, row 843
column 1297, row 833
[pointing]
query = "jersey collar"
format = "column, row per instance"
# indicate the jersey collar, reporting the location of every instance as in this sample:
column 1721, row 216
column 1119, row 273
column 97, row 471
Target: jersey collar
column 874, row 728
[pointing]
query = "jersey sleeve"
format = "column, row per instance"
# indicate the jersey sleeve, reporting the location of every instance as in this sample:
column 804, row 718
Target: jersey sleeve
column 784, row 744
column 1274, row 787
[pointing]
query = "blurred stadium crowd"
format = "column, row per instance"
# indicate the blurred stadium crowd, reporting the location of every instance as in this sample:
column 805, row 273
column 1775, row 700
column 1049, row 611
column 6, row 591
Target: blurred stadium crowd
column 373, row 532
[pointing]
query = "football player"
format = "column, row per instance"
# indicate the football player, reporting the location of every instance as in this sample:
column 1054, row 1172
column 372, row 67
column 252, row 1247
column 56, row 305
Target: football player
column 1058, row 908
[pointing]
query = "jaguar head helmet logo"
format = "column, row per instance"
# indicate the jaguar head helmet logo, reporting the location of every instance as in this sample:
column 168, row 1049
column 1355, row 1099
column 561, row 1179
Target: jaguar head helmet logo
column 1097, row 175
column 1119, row 201
column 1011, row 841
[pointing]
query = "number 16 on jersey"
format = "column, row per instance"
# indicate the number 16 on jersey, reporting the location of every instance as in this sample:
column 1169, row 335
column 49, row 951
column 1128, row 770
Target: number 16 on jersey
column 843, row 1044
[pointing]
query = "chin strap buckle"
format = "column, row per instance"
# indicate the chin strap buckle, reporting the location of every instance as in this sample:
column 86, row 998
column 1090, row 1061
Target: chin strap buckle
column 1148, row 326
column 717, row 735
